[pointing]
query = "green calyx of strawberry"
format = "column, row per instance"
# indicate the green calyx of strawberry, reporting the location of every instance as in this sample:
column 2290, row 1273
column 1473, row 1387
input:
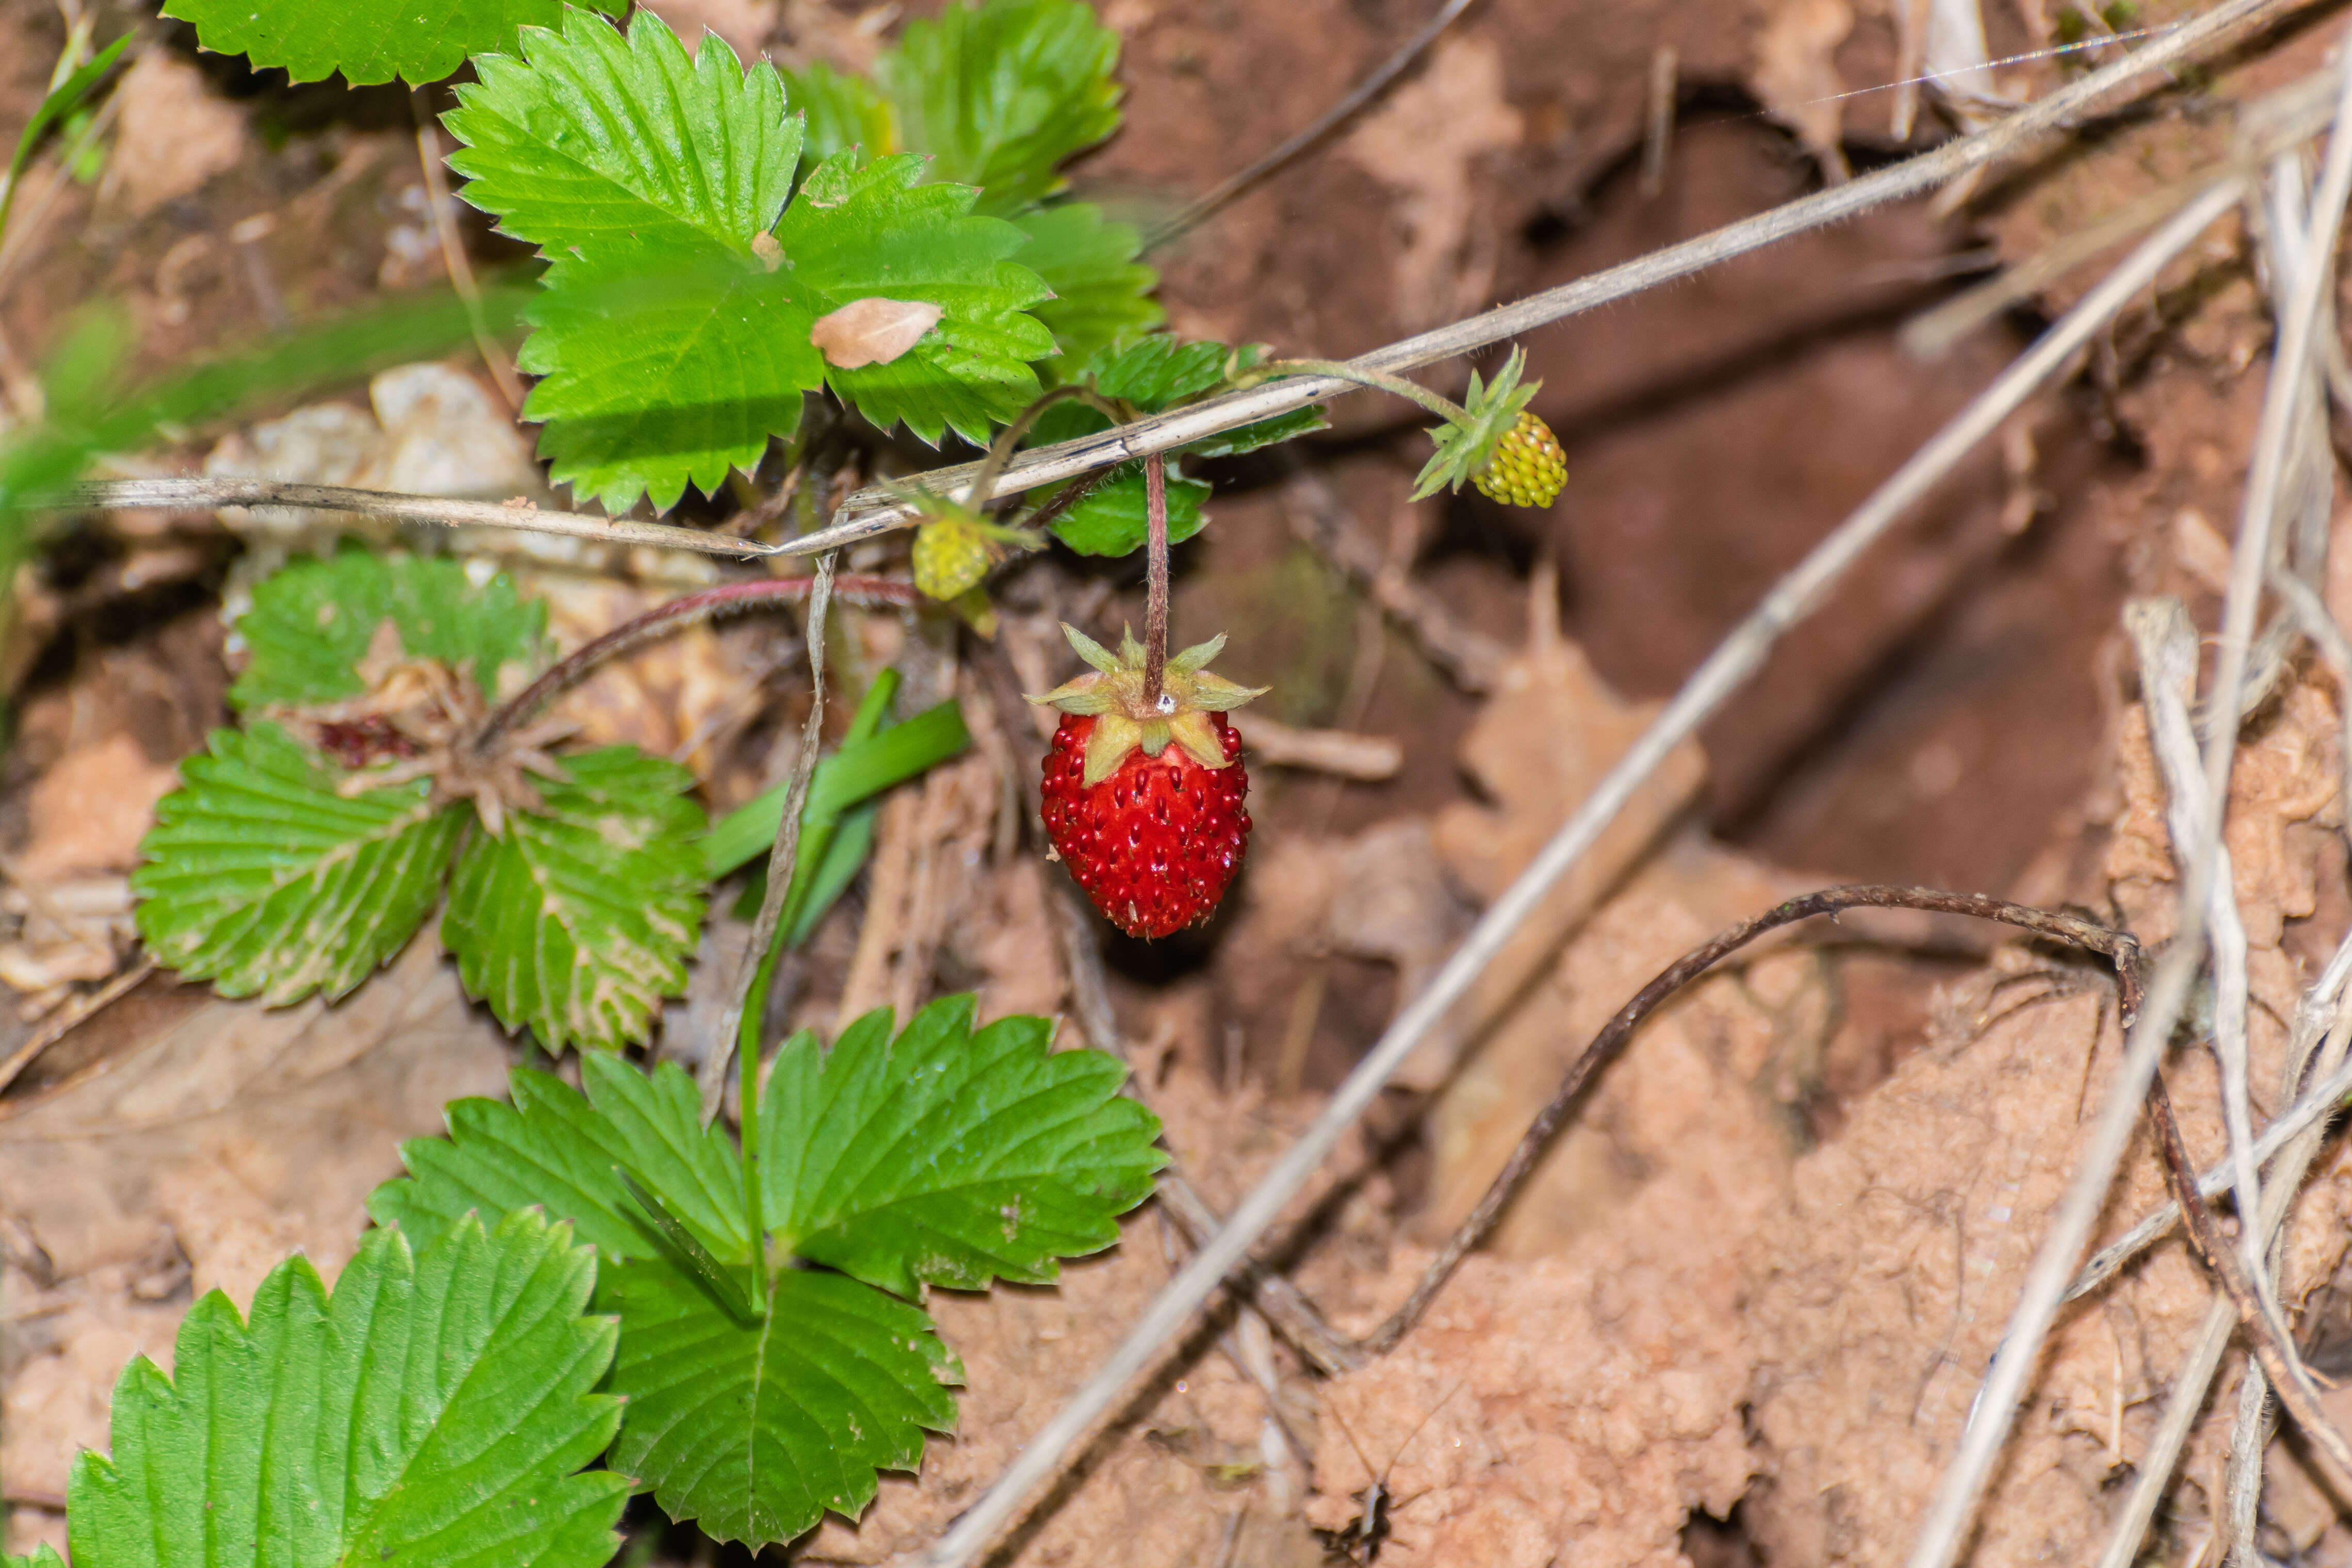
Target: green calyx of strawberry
column 1467, row 444
column 955, row 545
column 1113, row 695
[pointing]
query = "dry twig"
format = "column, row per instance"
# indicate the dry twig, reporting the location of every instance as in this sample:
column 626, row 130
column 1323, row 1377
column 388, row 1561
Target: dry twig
column 2119, row 947
column 1723, row 673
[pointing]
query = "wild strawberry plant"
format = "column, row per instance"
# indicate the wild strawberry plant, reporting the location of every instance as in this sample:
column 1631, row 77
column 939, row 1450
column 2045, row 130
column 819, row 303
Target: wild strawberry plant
column 372, row 779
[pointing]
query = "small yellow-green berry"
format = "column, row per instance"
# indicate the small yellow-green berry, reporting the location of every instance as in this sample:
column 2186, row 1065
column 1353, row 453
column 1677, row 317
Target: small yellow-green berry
column 950, row 556
column 1527, row 468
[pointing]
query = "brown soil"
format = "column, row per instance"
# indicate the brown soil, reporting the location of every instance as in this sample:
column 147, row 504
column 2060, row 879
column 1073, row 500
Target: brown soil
column 1737, row 1315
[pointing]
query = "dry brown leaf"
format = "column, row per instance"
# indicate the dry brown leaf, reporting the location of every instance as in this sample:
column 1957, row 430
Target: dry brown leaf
column 1425, row 142
column 1795, row 74
column 89, row 811
column 872, row 332
column 232, row 1138
column 1550, row 734
column 175, row 132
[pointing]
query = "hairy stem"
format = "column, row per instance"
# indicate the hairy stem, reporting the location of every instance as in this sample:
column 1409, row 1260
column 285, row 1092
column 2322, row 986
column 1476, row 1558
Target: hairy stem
column 1155, row 566
column 1379, row 380
column 686, row 610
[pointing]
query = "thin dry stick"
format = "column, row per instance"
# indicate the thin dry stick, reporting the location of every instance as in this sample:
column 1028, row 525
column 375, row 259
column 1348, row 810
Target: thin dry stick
column 781, row 859
column 2276, row 1354
column 1278, row 1300
column 2300, row 1132
column 1658, row 133
column 2167, row 644
column 73, row 1016
column 1723, row 673
column 2021, row 1347
column 874, row 510
column 453, row 252
column 2119, row 947
column 879, row 508
column 686, row 610
column 520, row 514
column 1330, row 120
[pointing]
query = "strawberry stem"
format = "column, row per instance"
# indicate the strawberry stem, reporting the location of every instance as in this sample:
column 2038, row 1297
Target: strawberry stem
column 1155, row 563
column 1444, row 408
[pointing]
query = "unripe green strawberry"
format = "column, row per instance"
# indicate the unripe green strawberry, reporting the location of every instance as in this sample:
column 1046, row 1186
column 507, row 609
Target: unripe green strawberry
column 1527, row 468
column 1144, row 800
column 950, row 556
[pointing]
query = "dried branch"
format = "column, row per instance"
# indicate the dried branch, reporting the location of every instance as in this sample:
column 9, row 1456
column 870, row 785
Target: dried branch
column 2119, row 947
column 1341, row 754
column 2019, row 1353
column 1280, row 1301
column 1723, row 673
column 1330, row 120
column 782, row 861
column 2317, row 1042
column 2271, row 1347
column 686, row 610
column 1322, row 519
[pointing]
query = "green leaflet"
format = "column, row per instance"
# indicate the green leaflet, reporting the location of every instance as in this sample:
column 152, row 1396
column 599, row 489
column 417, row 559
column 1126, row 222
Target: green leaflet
column 312, row 622
column 1001, row 94
column 1152, row 373
column 674, row 338
column 44, row 1556
column 367, row 40
column 944, row 1156
column 555, row 1146
column 263, row 879
column 434, row 1410
column 577, row 920
column 1101, row 293
column 754, row 1430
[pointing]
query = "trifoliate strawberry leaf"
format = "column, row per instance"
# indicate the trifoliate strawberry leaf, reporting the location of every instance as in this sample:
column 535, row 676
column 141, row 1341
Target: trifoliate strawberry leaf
column 557, row 1147
column 842, row 112
column 312, row 622
column 754, row 1429
column 675, row 336
column 999, row 96
column 948, row 1157
column 435, row 1411
column 368, row 41
column 262, row 878
column 1101, row 293
column 576, row 918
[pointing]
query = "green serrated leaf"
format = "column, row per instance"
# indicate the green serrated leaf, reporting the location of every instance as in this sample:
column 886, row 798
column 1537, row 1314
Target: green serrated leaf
column 263, row 879
column 368, row 41
column 1101, row 293
column 557, row 1146
column 948, row 1157
column 436, row 1410
column 999, row 96
column 577, row 919
column 1114, row 518
column 312, row 622
column 673, row 339
column 755, row 1430
column 44, row 1556
column 842, row 112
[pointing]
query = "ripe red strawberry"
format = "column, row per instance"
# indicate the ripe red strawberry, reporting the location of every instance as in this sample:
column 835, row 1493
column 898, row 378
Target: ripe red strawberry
column 1144, row 802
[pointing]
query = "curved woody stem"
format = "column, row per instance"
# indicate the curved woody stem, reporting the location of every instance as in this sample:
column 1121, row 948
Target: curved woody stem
column 686, row 610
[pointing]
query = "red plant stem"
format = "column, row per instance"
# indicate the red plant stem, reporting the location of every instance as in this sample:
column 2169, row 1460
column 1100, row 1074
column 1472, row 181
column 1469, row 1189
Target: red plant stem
column 1155, row 565
column 689, row 609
